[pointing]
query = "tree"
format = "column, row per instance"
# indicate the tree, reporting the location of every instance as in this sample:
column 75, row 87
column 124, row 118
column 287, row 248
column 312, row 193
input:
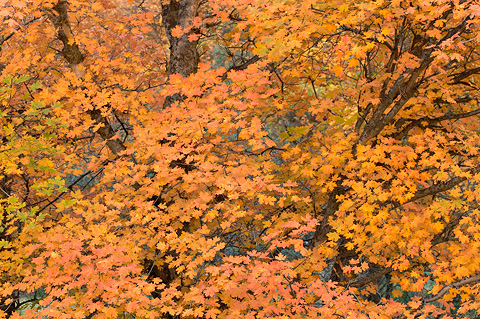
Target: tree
column 203, row 159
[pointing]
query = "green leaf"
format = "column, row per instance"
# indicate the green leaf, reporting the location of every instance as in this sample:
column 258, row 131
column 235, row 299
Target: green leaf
column 68, row 202
column 22, row 216
column 4, row 243
column 7, row 79
column 34, row 210
column 36, row 85
column 36, row 105
column 62, row 189
column 22, row 78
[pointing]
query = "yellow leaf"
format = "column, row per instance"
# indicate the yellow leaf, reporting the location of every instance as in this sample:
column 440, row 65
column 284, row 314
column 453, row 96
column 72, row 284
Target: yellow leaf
column 45, row 162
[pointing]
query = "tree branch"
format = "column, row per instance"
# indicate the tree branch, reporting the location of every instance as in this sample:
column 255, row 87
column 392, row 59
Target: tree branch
column 242, row 66
column 74, row 57
column 444, row 290
column 374, row 276
column 433, row 121
column 438, row 187
column 403, row 88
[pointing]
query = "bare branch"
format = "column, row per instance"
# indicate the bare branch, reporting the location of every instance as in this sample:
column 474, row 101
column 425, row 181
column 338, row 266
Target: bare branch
column 460, row 283
column 458, row 77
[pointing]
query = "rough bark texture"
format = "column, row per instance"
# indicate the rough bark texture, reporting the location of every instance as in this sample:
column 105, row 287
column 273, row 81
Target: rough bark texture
column 183, row 60
column 183, row 52
column 184, row 56
column 74, row 57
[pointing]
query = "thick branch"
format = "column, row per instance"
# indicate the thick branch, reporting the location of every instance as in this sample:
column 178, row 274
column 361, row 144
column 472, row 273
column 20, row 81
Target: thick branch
column 184, row 56
column 242, row 66
column 183, row 52
column 444, row 290
column 323, row 228
column 457, row 77
column 4, row 39
column 107, row 132
column 403, row 88
column 372, row 277
column 432, row 121
column 446, row 232
column 439, row 187
column 72, row 54
column 407, row 90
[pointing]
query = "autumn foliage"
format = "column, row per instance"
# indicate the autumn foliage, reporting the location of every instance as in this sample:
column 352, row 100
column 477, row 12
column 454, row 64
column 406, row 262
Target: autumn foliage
column 239, row 159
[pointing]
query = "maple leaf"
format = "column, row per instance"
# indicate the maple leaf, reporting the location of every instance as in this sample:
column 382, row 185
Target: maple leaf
column 239, row 158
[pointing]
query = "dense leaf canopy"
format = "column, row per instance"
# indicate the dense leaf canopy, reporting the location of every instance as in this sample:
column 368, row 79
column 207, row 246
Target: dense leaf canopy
column 239, row 159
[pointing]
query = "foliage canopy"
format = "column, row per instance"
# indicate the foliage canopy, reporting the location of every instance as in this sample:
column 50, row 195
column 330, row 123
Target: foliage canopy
column 236, row 158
